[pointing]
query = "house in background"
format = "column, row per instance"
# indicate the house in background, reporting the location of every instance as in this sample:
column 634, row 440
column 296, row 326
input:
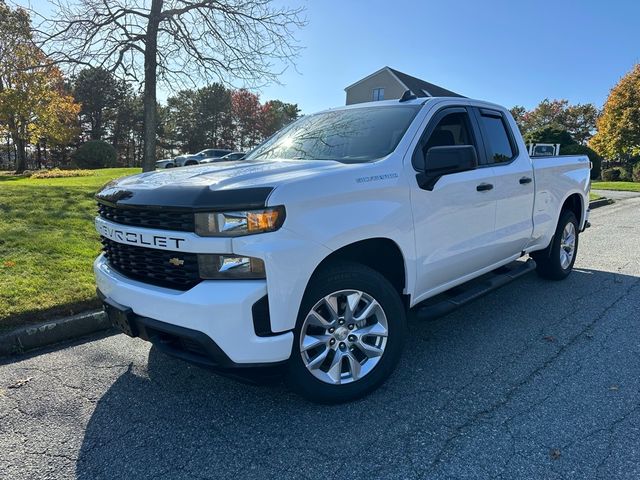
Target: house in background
column 389, row 84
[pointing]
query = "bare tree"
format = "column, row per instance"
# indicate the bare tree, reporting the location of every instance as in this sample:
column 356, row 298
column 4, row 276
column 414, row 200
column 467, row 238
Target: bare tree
column 177, row 42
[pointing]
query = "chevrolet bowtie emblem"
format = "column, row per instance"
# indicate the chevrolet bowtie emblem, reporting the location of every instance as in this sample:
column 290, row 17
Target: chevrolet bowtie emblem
column 176, row 262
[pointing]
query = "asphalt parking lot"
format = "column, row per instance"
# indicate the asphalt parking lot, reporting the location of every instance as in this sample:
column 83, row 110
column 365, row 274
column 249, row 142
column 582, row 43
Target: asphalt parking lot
column 536, row 380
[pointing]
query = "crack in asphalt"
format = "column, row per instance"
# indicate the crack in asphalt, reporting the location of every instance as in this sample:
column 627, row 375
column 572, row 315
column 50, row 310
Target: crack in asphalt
column 514, row 389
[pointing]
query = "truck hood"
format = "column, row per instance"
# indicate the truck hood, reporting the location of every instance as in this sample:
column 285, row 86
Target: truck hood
column 224, row 185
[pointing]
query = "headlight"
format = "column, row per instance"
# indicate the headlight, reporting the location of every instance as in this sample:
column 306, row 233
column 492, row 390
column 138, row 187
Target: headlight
column 234, row 224
column 220, row 267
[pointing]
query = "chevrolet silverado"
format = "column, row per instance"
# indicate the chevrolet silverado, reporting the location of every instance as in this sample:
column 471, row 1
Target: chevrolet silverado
column 309, row 253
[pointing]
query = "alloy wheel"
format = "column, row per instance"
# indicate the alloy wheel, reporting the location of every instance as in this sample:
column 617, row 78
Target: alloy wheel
column 567, row 245
column 343, row 336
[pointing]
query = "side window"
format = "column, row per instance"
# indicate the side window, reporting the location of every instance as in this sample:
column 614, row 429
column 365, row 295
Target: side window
column 499, row 147
column 453, row 129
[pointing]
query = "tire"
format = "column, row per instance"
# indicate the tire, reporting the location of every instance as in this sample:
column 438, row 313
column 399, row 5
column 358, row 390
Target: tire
column 556, row 262
column 368, row 343
column 169, row 165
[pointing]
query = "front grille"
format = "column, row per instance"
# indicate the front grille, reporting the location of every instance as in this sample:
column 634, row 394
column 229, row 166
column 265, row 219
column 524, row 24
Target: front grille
column 152, row 266
column 150, row 218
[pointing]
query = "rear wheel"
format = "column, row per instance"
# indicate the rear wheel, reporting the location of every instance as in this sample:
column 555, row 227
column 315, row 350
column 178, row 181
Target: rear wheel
column 556, row 261
column 349, row 334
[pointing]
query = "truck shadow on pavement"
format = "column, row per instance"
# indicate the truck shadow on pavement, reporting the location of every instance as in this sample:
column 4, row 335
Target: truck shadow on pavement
column 520, row 383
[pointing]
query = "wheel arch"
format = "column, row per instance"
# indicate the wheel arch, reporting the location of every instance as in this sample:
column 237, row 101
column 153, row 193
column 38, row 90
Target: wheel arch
column 381, row 254
column 574, row 203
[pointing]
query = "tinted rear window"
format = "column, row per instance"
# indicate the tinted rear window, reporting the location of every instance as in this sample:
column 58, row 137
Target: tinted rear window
column 500, row 149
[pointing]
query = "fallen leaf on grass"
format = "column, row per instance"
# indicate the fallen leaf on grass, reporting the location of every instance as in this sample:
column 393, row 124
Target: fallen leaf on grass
column 9, row 264
column 20, row 383
column 554, row 454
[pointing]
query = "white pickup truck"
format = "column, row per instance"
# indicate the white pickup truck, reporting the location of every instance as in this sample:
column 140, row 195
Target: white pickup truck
column 309, row 253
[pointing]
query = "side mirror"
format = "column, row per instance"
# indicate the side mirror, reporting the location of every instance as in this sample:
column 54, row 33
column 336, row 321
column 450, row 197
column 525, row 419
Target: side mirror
column 440, row 161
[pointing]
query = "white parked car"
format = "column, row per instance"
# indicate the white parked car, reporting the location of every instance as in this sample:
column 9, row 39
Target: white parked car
column 196, row 158
column 309, row 252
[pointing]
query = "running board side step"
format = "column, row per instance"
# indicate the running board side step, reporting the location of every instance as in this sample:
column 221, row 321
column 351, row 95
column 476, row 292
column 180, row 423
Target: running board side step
column 456, row 297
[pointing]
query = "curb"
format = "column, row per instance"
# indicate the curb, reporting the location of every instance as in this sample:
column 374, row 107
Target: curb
column 27, row 338
column 602, row 202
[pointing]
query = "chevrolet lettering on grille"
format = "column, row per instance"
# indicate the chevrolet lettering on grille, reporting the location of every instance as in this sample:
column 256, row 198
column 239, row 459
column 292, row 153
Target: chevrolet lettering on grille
column 138, row 238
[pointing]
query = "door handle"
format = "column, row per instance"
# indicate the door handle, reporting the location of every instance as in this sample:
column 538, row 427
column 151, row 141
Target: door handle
column 483, row 187
column 525, row 180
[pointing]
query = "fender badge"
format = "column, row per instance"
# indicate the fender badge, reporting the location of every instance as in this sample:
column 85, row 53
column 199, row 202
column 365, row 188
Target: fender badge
column 376, row 178
column 176, row 262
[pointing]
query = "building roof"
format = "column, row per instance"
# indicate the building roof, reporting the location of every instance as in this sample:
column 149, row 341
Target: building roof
column 419, row 87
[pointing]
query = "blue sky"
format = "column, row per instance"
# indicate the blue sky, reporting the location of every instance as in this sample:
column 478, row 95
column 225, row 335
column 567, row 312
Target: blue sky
column 506, row 51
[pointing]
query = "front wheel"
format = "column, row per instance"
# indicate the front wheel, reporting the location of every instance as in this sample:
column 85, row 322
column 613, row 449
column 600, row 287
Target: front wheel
column 556, row 261
column 349, row 334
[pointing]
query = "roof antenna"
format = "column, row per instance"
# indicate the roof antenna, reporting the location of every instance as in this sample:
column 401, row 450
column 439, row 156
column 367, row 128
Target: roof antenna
column 407, row 95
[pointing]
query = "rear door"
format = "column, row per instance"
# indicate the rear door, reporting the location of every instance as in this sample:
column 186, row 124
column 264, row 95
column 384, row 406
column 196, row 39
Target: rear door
column 513, row 181
column 454, row 222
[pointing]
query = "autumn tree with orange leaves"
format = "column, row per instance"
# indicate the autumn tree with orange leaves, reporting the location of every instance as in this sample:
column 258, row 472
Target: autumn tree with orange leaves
column 34, row 105
column 618, row 136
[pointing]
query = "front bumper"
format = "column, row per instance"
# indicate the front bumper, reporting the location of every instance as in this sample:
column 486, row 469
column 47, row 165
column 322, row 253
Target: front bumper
column 215, row 310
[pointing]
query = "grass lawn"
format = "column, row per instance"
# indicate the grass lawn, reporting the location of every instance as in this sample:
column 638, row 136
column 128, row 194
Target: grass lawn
column 626, row 186
column 47, row 245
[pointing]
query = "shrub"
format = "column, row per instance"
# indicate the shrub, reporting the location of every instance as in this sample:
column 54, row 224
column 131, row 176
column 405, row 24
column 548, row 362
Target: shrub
column 610, row 175
column 94, row 154
column 550, row 134
column 57, row 173
column 615, row 174
column 635, row 174
column 596, row 160
column 625, row 174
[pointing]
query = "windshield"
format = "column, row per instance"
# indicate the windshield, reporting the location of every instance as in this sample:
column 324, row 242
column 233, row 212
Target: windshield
column 349, row 136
